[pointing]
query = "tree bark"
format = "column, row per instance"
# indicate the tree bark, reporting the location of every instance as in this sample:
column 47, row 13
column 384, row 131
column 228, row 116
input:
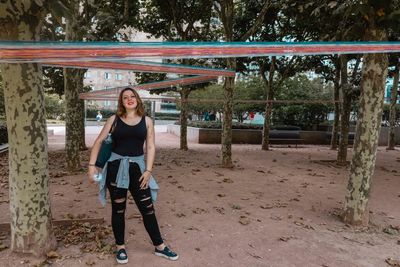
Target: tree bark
column 81, row 119
column 72, row 119
column 30, row 210
column 226, row 137
column 73, row 85
column 183, row 118
column 227, row 13
column 336, row 94
column 268, row 106
column 345, row 112
column 366, row 139
column 392, row 114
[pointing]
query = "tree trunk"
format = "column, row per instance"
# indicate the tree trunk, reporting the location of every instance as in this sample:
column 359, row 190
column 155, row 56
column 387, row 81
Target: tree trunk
column 81, row 119
column 227, row 14
column 268, row 106
column 366, row 139
column 72, row 119
column 345, row 112
column 30, row 210
column 73, row 85
column 392, row 115
column 183, row 118
column 335, row 128
column 226, row 138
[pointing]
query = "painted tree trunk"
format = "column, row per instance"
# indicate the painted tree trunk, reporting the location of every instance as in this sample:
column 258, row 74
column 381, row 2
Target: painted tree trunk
column 30, row 210
column 268, row 106
column 392, row 115
column 336, row 94
column 366, row 140
column 345, row 113
column 183, row 118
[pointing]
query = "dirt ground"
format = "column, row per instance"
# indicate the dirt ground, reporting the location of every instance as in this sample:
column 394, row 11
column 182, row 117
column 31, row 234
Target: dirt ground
column 277, row 208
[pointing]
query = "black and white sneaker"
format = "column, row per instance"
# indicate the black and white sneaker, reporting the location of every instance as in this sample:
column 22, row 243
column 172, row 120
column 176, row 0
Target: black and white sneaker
column 122, row 257
column 166, row 253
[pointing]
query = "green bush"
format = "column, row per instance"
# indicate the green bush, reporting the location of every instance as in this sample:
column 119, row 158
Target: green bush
column 55, row 107
column 92, row 112
column 237, row 125
column 218, row 125
column 167, row 116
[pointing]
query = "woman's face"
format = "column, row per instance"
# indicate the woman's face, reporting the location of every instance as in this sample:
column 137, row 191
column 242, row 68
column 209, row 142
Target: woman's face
column 129, row 100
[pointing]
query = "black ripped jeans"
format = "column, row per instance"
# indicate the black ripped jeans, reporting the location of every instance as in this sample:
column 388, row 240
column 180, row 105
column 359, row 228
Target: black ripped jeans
column 142, row 199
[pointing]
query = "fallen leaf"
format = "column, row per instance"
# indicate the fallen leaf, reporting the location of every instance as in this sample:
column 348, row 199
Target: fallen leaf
column 244, row 220
column 90, row 262
column 392, row 262
column 391, row 230
column 227, row 180
column 3, row 247
column 286, row 238
column 276, row 218
column 220, row 210
column 199, row 211
column 267, row 206
column 52, row 254
column 236, row 207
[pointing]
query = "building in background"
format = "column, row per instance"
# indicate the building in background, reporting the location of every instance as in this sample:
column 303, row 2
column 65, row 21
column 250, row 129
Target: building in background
column 388, row 91
column 100, row 79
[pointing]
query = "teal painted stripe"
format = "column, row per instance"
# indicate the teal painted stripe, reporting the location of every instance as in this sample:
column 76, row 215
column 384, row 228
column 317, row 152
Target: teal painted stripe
column 183, row 44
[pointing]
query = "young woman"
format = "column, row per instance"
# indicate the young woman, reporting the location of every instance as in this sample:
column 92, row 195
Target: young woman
column 127, row 170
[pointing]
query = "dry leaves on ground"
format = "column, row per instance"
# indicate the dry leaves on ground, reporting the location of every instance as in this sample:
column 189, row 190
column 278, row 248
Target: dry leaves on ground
column 90, row 237
column 392, row 262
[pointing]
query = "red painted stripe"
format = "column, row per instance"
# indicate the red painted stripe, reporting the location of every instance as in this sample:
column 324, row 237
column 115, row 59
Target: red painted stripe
column 41, row 54
column 113, row 92
column 145, row 68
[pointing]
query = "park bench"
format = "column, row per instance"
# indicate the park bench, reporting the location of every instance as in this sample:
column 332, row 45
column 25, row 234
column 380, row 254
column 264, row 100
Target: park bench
column 288, row 137
column 3, row 148
column 286, row 141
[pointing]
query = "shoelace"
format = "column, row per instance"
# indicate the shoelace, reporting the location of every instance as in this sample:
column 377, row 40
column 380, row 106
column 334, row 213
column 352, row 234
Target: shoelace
column 122, row 254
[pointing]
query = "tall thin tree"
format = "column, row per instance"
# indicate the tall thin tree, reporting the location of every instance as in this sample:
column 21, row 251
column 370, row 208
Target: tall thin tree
column 392, row 108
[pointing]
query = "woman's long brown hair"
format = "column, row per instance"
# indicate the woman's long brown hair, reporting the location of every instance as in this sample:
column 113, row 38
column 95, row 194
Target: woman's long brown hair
column 121, row 111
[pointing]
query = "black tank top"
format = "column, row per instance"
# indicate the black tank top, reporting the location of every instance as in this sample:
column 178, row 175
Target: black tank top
column 128, row 140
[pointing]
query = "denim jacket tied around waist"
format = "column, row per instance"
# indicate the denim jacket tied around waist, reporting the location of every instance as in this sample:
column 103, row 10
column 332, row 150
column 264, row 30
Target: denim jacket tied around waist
column 123, row 176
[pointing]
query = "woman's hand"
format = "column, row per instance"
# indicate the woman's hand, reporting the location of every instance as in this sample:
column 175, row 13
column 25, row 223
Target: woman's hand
column 144, row 179
column 92, row 170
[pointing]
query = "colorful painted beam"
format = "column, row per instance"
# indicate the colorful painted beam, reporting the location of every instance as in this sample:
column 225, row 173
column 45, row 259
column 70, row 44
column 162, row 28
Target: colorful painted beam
column 112, row 93
column 14, row 52
column 172, row 99
column 145, row 66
